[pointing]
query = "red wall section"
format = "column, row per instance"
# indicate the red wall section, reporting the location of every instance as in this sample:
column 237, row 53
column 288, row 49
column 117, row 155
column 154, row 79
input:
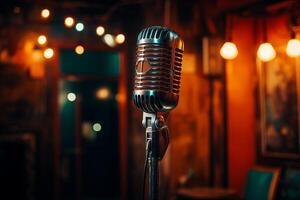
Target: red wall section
column 241, row 77
column 241, row 105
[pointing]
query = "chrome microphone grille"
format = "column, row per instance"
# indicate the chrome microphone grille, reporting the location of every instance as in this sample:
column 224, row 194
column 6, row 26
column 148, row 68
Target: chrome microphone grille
column 158, row 69
column 153, row 68
column 153, row 32
column 177, row 70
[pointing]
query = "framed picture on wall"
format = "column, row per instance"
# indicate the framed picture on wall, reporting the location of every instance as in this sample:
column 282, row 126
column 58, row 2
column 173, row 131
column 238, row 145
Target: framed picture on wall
column 279, row 108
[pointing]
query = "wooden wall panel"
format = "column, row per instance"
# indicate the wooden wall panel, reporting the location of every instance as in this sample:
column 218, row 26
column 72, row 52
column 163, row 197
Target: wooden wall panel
column 189, row 134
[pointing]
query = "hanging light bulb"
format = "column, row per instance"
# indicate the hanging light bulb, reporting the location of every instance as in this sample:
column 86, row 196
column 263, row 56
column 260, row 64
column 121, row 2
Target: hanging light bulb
column 293, row 48
column 48, row 53
column 42, row 39
column 45, row 13
column 79, row 49
column 109, row 40
column 229, row 51
column 266, row 52
column 69, row 22
column 120, row 38
column 100, row 30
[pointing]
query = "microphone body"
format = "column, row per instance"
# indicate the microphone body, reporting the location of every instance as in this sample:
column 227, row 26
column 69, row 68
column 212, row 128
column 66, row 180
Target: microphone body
column 159, row 55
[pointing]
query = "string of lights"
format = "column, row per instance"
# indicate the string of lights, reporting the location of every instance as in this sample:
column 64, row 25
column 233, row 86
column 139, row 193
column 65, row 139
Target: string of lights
column 265, row 52
column 70, row 22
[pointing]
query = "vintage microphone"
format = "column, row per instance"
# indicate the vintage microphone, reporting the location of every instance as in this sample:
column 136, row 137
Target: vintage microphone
column 156, row 91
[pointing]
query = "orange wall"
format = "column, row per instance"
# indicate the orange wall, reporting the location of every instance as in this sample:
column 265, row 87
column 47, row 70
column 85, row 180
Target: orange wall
column 241, row 105
column 241, row 80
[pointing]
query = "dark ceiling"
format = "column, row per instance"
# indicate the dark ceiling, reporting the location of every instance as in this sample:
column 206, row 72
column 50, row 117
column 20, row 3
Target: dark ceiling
column 86, row 8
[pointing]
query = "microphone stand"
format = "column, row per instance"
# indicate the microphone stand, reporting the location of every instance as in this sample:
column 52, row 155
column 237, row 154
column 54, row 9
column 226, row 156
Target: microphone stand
column 158, row 139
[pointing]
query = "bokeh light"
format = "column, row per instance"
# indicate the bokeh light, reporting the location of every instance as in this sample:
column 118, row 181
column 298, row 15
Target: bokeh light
column 229, row 51
column 266, row 52
column 48, row 53
column 103, row 93
column 45, row 13
column 69, row 22
column 71, row 96
column 293, row 48
column 100, row 30
column 120, row 38
column 109, row 40
column 42, row 39
column 79, row 26
column 97, row 127
column 79, row 49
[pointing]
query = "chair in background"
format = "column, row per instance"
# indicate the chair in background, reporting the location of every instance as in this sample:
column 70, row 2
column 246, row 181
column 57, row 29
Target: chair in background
column 262, row 183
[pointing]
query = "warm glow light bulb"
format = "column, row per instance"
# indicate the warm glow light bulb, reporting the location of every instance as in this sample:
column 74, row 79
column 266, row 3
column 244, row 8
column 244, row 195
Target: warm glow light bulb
column 103, row 93
column 48, row 53
column 79, row 49
column 42, row 39
column 69, row 22
column 79, row 26
column 100, row 30
column 120, row 38
column 293, row 48
column 266, row 52
column 71, row 96
column 229, row 51
column 109, row 40
column 45, row 13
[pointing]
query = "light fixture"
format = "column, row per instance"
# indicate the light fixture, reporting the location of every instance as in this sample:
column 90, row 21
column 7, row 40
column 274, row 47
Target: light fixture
column 45, row 13
column 109, row 40
column 71, row 96
column 103, row 93
column 120, row 38
column 229, row 50
column 79, row 26
column 48, row 53
column 293, row 48
column 79, row 49
column 69, row 22
column 266, row 51
column 97, row 127
column 100, row 30
column 42, row 39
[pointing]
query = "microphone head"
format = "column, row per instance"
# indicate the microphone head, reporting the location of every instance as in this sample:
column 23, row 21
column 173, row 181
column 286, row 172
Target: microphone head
column 159, row 55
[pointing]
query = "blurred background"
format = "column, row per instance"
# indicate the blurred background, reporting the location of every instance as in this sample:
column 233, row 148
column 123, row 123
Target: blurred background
column 69, row 128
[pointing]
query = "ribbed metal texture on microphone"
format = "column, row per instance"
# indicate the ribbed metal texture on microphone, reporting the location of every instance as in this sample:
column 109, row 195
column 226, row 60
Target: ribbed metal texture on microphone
column 159, row 55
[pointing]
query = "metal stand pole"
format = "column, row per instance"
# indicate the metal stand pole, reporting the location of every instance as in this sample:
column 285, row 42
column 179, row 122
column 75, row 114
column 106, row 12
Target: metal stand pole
column 153, row 166
column 155, row 129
